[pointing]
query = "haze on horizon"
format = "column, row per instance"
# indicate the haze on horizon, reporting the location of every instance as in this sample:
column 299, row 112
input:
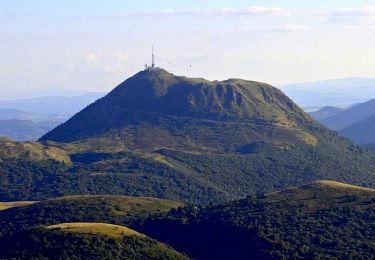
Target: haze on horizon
column 67, row 47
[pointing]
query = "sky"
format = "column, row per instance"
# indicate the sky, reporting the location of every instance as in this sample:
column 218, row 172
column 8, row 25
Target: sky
column 51, row 47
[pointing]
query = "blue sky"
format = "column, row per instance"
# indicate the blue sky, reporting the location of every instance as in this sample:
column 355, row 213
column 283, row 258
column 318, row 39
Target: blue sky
column 70, row 47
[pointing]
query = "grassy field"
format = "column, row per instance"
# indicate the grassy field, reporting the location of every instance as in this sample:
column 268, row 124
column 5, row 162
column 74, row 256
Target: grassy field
column 104, row 229
column 7, row 205
column 121, row 205
column 319, row 195
column 343, row 186
column 32, row 151
column 119, row 210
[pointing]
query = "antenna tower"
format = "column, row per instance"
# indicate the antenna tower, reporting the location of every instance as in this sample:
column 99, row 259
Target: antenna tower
column 153, row 58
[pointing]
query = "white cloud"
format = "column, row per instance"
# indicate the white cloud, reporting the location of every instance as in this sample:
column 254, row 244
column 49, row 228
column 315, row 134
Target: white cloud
column 282, row 28
column 351, row 12
column 357, row 18
column 253, row 11
column 250, row 11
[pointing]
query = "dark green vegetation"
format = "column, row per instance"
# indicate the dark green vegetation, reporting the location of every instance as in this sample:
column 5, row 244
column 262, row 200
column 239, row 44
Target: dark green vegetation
column 321, row 220
column 120, row 210
column 26, row 231
column 324, row 219
column 190, row 140
column 41, row 243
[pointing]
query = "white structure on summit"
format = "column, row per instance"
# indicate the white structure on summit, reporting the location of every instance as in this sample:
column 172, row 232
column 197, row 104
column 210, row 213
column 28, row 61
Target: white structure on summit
column 152, row 61
column 153, row 58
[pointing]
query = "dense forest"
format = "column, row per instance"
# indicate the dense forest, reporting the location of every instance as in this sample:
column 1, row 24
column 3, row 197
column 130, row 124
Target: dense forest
column 314, row 222
column 321, row 220
column 198, row 178
column 40, row 243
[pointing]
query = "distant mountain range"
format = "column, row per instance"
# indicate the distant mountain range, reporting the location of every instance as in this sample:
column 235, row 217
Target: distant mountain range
column 26, row 130
column 356, row 122
column 336, row 92
column 51, row 104
column 29, row 119
column 326, row 112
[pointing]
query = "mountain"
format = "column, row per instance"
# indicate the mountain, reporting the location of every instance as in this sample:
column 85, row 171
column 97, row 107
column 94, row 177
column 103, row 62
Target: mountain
column 150, row 100
column 190, row 140
column 324, row 219
column 325, row 112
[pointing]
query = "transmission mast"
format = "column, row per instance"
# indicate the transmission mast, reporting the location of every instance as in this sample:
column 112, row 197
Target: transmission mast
column 153, row 58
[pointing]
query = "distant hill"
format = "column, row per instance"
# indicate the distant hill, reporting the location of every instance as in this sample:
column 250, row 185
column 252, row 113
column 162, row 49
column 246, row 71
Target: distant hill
column 350, row 116
column 356, row 122
column 84, row 241
column 362, row 132
column 29, row 119
column 8, row 114
column 335, row 92
column 51, row 104
column 26, row 130
column 326, row 112
column 324, row 219
column 82, row 227
column 121, row 210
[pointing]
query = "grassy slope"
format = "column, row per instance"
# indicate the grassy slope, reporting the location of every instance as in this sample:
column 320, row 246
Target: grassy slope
column 321, row 195
column 32, row 151
column 7, row 205
column 83, row 227
column 101, row 229
column 121, row 210
column 84, row 241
